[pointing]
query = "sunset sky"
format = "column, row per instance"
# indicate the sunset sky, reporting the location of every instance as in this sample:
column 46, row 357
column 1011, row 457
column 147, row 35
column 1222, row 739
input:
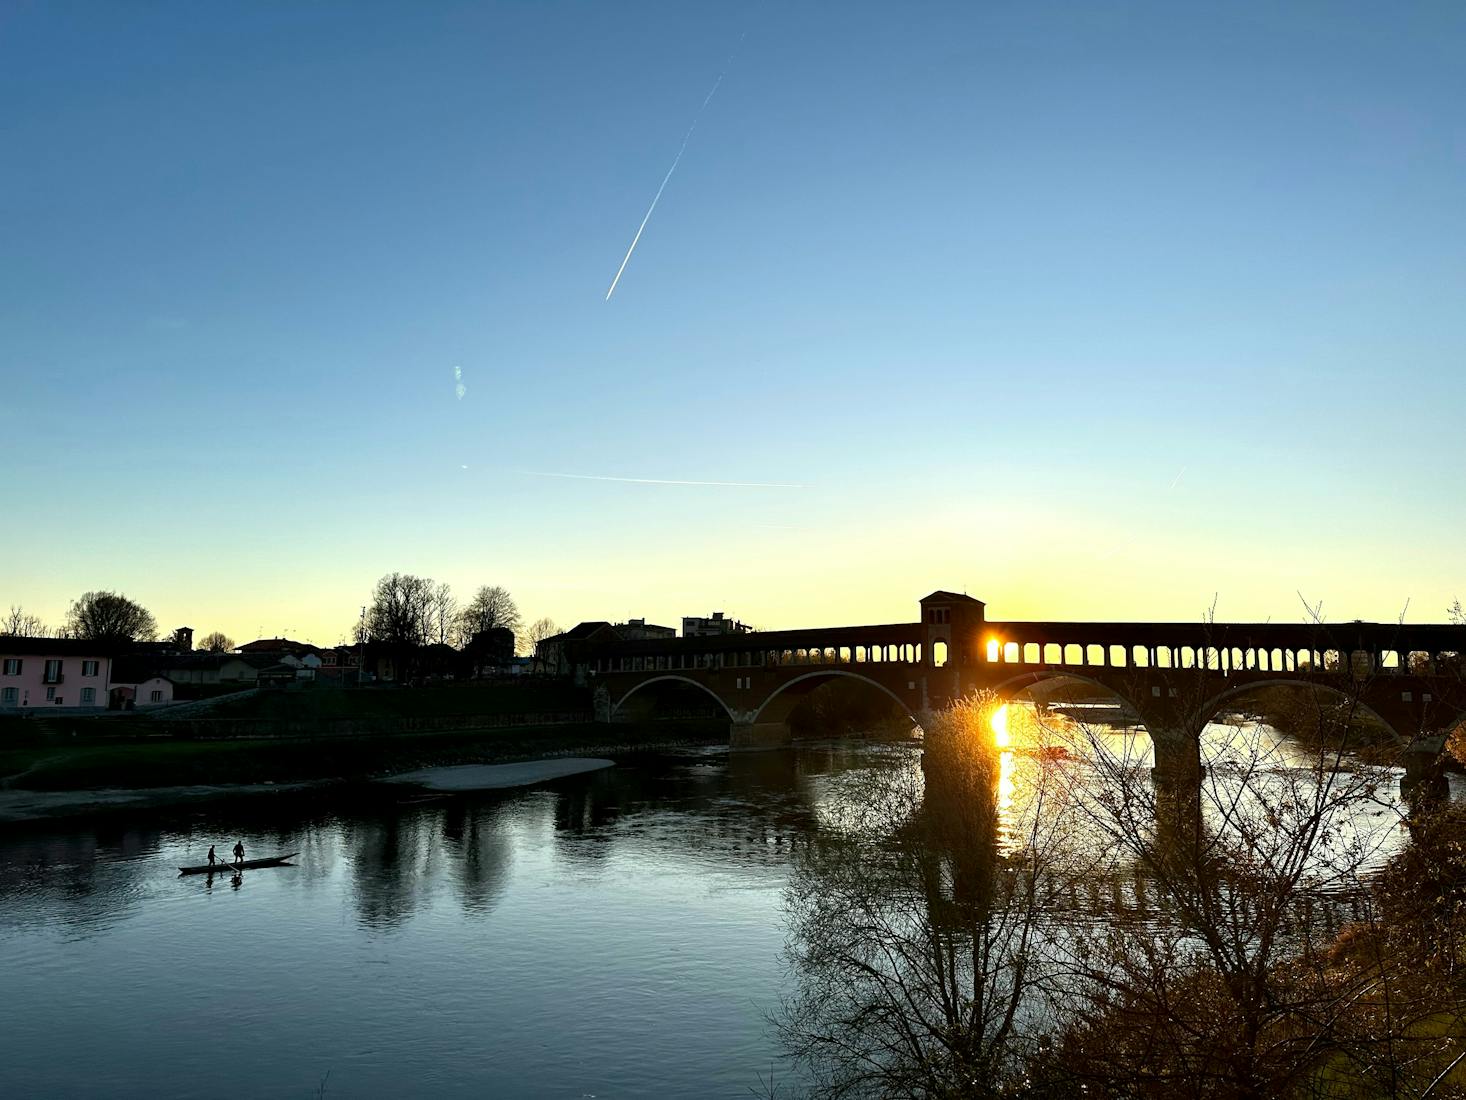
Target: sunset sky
column 1094, row 311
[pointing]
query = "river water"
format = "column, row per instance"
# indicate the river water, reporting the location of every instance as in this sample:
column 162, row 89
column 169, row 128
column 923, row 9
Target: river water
column 616, row 934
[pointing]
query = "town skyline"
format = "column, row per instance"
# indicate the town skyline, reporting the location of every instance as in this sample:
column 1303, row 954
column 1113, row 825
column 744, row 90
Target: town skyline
column 1303, row 609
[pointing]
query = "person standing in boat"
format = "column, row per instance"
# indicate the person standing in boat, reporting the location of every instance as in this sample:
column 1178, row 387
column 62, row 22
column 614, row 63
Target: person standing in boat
column 239, row 851
column 211, row 855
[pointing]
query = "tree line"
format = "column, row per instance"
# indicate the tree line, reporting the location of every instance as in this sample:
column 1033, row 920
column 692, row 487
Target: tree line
column 404, row 611
column 101, row 616
column 411, row 611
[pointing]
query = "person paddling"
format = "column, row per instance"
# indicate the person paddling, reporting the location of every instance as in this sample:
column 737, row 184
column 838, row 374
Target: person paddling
column 211, row 855
column 238, row 851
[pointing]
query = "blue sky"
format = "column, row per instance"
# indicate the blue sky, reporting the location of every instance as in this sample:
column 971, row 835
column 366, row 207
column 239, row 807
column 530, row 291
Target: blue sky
column 1094, row 311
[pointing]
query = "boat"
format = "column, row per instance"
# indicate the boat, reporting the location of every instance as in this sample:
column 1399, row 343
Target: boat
column 221, row 867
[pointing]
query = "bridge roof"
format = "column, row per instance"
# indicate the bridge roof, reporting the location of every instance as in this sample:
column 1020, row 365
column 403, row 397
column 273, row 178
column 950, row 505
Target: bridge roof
column 941, row 595
column 1428, row 637
column 815, row 637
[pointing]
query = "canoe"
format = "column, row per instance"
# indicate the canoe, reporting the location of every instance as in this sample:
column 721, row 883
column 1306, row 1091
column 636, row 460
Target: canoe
column 221, row 867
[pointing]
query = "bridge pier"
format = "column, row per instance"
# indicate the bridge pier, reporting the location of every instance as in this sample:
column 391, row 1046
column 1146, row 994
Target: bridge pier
column 1422, row 755
column 1176, row 778
column 759, row 735
column 1177, row 757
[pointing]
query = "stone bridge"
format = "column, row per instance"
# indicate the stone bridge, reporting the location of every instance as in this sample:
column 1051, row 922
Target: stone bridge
column 1172, row 677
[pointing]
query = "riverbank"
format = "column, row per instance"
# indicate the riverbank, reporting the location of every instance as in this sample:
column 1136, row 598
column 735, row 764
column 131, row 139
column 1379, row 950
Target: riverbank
column 60, row 781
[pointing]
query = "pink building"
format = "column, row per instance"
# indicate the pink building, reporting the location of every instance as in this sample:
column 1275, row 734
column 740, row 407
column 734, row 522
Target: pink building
column 52, row 674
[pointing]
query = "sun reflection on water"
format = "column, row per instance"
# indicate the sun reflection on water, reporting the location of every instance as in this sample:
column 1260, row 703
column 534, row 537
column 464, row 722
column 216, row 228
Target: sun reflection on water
column 1001, row 737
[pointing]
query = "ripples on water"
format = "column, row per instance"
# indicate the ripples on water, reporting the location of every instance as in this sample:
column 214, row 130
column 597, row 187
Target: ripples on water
column 617, row 934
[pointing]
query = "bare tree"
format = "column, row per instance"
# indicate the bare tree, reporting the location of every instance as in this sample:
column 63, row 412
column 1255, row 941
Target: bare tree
column 111, row 618
column 217, row 642
column 20, row 624
column 1230, row 990
column 442, row 617
column 538, row 631
column 916, row 934
column 400, row 613
column 491, row 607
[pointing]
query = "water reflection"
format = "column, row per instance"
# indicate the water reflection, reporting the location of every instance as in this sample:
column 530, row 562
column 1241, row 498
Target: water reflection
column 435, row 946
column 950, row 923
column 409, row 935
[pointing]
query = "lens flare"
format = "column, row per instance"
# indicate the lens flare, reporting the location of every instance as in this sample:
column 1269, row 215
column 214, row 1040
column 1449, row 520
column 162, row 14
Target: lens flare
column 1000, row 727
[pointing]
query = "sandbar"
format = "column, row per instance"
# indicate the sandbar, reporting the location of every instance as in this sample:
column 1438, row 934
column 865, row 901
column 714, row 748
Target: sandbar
column 489, row 777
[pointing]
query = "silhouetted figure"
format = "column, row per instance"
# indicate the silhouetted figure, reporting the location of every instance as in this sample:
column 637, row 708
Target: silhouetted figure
column 239, row 851
column 211, row 855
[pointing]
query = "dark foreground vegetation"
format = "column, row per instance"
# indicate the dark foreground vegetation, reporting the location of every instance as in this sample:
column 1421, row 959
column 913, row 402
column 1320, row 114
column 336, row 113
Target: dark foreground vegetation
column 1057, row 923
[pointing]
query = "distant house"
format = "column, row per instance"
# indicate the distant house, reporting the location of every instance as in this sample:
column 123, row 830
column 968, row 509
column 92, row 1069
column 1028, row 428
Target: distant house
column 636, row 630
column 341, row 664
column 555, row 655
column 47, row 673
column 714, row 626
column 277, row 675
column 275, row 645
column 211, row 668
column 136, row 684
column 490, row 652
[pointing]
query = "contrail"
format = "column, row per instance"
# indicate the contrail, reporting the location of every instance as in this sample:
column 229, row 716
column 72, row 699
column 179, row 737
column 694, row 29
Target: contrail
column 1177, row 479
column 670, row 481
column 675, row 161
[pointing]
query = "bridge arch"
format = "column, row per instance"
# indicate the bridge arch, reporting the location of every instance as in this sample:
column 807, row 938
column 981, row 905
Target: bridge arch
column 616, row 707
column 782, row 696
column 1215, row 704
column 1005, row 689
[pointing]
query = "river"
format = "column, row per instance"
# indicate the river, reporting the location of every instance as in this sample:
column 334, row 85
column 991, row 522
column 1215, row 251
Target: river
column 616, row 934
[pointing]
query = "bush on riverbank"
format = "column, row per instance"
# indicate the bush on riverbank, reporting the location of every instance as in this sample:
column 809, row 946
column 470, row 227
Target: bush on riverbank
column 963, row 943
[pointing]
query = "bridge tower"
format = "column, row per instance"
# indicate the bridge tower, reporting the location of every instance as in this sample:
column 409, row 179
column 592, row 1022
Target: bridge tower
column 951, row 642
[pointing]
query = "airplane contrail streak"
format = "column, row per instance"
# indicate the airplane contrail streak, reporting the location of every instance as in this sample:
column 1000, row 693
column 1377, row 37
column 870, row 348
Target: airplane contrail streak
column 675, row 161
column 669, row 481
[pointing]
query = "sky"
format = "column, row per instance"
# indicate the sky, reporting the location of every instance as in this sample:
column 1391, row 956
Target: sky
column 1090, row 311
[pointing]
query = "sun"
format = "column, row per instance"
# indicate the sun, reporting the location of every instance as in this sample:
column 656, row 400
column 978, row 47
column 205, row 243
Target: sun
column 1000, row 727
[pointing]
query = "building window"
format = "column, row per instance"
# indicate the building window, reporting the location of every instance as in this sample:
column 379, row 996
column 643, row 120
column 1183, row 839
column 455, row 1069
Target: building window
column 89, row 668
column 12, row 666
column 88, row 697
column 53, row 672
column 155, row 697
column 50, row 695
column 10, row 697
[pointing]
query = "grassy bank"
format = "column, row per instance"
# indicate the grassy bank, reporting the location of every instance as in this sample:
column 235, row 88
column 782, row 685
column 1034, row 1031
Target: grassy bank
column 164, row 763
column 315, row 709
column 324, row 703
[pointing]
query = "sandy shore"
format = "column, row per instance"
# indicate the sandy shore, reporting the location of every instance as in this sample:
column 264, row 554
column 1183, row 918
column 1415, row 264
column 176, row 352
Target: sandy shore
column 489, row 777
